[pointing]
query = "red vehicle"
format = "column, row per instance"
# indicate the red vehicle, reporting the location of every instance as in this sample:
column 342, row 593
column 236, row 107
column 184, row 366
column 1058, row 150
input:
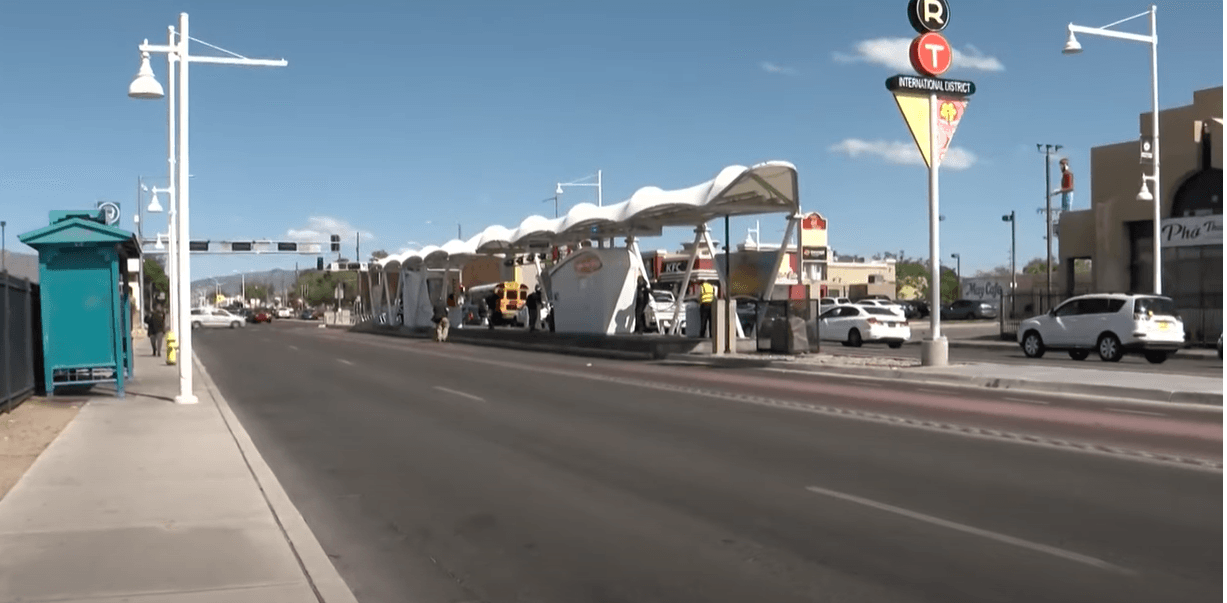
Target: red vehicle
column 261, row 316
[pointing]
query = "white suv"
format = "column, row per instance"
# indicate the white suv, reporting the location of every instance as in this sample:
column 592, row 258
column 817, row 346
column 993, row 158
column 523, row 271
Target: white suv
column 1109, row 323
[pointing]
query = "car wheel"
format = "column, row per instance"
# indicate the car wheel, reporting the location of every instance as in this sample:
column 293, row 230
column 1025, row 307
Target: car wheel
column 895, row 345
column 1156, row 356
column 854, row 338
column 1033, row 345
column 235, row 325
column 1079, row 354
column 1109, row 348
column 195, row 324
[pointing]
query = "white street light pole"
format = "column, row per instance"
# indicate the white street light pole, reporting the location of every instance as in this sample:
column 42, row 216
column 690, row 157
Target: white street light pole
column 145, row 86
column 1073, row 47
column 597, row 184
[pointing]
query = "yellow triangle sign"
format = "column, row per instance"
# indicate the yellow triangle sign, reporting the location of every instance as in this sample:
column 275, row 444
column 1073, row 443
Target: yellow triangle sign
column 915, row 110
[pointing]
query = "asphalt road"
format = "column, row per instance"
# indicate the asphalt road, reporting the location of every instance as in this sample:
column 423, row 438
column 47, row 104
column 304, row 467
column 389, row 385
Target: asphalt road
column 439, row 472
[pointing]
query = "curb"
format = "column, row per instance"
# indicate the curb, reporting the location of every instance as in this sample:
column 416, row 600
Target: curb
column 547, row 348
column 1133, row 393
column 323, row 577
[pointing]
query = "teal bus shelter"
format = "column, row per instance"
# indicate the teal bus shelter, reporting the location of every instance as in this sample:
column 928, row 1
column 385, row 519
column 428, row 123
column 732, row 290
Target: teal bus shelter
column 82, row 267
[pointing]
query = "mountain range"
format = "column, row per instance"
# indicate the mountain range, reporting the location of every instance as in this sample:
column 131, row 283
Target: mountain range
column 279, row 279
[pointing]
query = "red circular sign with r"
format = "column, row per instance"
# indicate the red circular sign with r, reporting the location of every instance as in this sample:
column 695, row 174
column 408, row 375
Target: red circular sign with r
column 931, row 54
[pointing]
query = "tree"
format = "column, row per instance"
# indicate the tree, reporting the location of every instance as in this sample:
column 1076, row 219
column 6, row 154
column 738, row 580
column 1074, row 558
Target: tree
column 321, row 286
column 379, row 254
column 996, row 271
column 915, row 275
column 156, row 281
column 257, row 291
column 1036, row 266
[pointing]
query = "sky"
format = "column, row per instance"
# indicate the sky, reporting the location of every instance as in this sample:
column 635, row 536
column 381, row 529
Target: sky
column 402, row 122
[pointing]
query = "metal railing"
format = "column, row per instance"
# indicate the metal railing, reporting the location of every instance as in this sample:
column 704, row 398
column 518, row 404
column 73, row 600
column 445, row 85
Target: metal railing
column 19, row 332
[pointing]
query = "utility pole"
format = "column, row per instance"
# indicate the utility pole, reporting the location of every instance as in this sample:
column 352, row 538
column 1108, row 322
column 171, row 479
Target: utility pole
column 357, row 246
column 1048, row 150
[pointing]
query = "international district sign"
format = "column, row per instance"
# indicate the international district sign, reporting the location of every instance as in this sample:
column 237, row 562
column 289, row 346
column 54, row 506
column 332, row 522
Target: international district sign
column 915, row 110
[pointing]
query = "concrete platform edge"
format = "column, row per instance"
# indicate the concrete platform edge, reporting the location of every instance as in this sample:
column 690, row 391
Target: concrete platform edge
column 319, row 570
column 1131, row 393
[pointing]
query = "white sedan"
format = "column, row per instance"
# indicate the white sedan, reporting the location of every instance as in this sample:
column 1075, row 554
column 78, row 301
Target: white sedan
column 660, row 312
column 879, row 303
column 854, row 324
column 216, row 317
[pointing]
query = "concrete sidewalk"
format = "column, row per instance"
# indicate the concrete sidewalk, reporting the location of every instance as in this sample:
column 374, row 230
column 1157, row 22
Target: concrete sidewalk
column 140, row 499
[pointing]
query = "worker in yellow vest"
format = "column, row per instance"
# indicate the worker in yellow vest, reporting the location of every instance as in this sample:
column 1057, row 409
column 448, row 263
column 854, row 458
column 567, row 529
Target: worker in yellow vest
column 707, row 294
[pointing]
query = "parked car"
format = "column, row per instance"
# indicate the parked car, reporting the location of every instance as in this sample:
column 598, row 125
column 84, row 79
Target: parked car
column 967, row 309
column 259, row 316
column 827, row 303
column 307, row 314
column 215, row 317
column 660, row 312
column 285, row 313
column 1112, row 324
column 853, row 324
column 874, row 302
column 913, row 308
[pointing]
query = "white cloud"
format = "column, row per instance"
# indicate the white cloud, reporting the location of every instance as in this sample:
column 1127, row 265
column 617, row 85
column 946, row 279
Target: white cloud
column 770, row 67
column 901, row 153
column 892, row 52
column 318, row 229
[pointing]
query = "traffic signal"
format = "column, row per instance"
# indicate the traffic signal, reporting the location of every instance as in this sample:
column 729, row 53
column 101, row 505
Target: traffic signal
column 319, row 263
column 336, row 243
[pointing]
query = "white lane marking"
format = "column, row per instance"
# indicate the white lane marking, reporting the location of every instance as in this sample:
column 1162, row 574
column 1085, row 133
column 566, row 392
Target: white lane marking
column 462, row 394
column 344, row 361
column 293, row 347
column 1019, row 542
column 1026, row 400
column 1137, row 412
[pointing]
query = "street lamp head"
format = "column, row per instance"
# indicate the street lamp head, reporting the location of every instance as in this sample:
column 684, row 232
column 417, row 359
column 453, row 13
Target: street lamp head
column 154, row 206
column 1071, row 45
column 145, row 85
column 1144, row 194
column 558, row 190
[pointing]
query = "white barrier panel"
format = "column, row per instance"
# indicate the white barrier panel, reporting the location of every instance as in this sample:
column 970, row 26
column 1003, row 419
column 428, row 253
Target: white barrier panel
column 416, row 295
column 594, row 292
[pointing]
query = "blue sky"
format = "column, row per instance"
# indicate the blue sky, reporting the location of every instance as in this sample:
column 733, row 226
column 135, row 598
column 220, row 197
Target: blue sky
column 401, row 119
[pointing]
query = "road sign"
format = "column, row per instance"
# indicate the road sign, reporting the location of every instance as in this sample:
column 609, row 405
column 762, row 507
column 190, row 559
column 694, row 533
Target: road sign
column 929, row 85
column 1147, row 149
column 928, row 15
column 915, row 110
column 110, row 211
column 930, row 54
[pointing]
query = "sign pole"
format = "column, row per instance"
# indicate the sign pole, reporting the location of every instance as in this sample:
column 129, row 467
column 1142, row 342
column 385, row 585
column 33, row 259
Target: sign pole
column 934, row 351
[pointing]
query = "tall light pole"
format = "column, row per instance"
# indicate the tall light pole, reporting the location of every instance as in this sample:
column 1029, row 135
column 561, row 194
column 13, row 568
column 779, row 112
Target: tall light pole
column 580, row 182
column 1073, row 47
column 1013, row 252
column 554, row 199
column 4, row 247
column 1049, row 150
column 958, row 271
column 145, row 86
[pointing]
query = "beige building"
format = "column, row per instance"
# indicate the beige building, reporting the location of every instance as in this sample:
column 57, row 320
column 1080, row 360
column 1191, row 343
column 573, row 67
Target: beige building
column 1116, row 232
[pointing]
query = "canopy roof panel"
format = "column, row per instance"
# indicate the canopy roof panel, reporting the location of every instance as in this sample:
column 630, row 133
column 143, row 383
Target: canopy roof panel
column 764, row 188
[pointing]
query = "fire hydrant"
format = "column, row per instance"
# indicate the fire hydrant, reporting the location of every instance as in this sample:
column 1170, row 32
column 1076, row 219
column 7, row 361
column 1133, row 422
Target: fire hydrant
column 172, row 347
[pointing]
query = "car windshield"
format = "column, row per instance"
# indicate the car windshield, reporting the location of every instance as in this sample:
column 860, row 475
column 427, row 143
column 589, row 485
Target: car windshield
column 1155, row 306
column 662, row 296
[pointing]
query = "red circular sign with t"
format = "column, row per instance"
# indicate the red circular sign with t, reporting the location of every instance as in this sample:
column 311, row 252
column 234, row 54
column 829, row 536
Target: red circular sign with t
column 931, row 54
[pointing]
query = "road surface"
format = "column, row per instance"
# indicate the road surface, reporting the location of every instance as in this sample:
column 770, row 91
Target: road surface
column 441, row 472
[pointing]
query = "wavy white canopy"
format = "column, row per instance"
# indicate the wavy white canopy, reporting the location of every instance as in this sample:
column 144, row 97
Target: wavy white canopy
column 769, row 187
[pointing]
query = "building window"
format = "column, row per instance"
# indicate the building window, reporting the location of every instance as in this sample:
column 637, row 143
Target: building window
column 1141, row 254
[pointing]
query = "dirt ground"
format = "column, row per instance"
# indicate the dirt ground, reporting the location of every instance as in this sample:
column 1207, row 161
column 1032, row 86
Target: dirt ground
column 26, row 432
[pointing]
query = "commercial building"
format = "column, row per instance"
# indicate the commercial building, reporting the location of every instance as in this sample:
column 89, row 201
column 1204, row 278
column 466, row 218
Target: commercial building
column 1115, row 233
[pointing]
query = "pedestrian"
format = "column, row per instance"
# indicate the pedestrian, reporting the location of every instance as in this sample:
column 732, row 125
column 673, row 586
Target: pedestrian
column 534, row 308
column 441, row 322
column 155, row 325
column 707, row 294
column 643, row 294
column 496, row 315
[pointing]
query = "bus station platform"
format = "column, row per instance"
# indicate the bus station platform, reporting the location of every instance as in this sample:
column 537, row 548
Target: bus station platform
column 628, row 346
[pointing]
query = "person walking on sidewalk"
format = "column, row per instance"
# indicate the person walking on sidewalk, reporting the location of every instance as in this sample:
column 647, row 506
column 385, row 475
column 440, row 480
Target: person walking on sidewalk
column 155, row 325
column 534, row 309
column 643, row 294
column 707, row 294
column 441, row 322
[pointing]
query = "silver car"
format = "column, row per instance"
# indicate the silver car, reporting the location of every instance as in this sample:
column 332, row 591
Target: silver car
column 216, row 317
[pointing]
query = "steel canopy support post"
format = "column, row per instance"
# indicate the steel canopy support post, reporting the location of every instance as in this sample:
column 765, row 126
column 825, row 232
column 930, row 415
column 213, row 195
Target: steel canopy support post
column 699, row 234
